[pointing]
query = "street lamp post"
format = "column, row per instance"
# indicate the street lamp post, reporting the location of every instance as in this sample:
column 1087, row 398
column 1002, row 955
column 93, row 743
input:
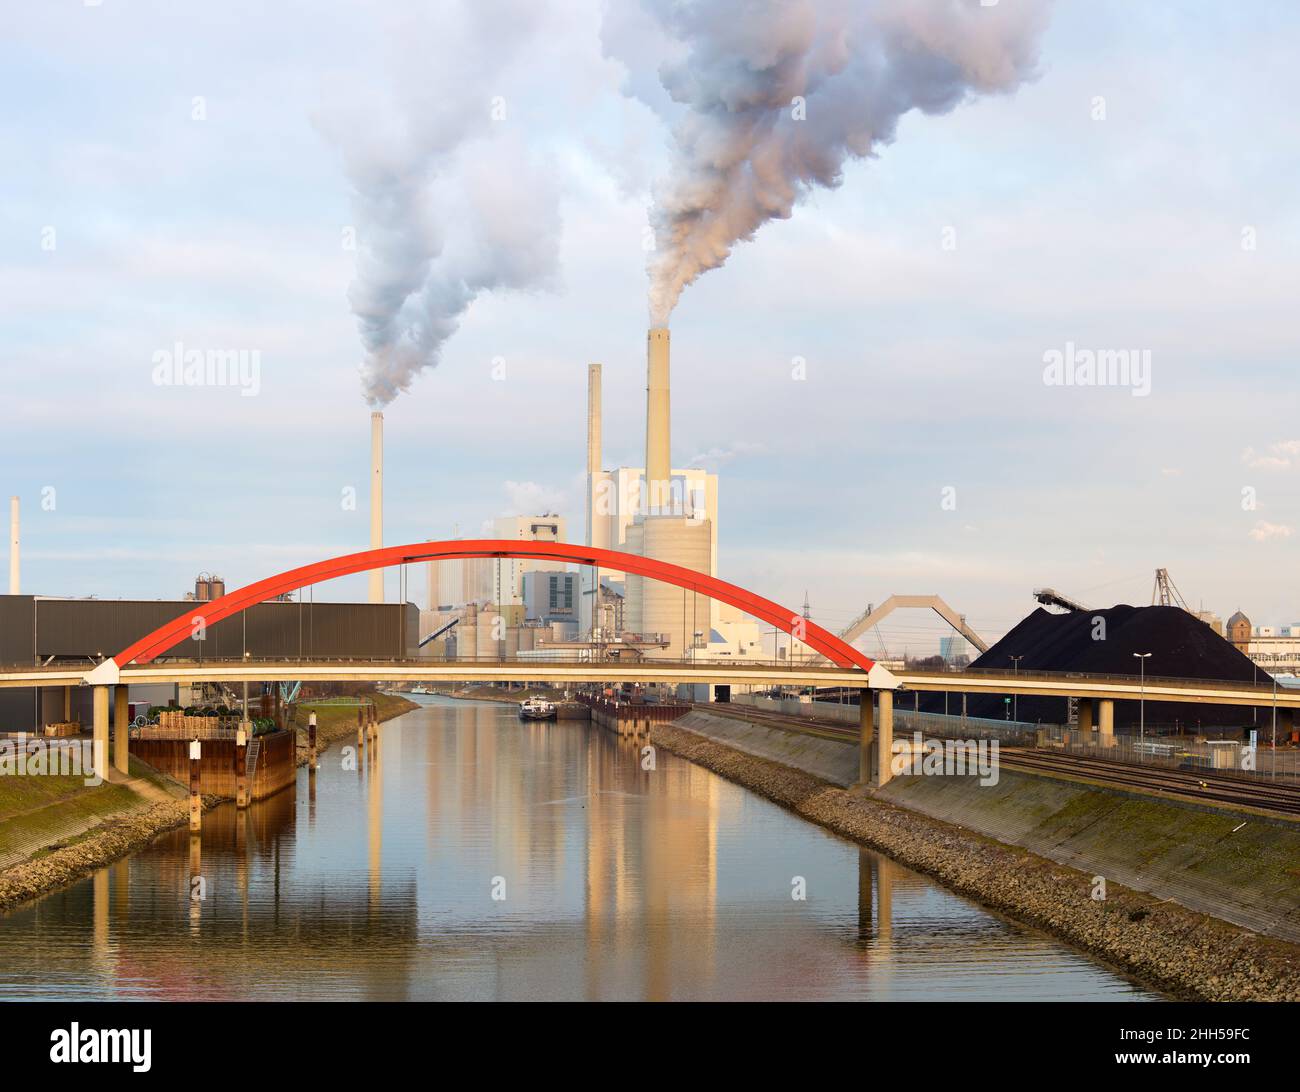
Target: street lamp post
column 1272, row 758
column 1015, row 671
column 1142, row 658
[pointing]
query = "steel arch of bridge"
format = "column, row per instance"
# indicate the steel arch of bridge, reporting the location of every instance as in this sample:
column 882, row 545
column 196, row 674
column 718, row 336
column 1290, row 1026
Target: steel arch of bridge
column 814, row 636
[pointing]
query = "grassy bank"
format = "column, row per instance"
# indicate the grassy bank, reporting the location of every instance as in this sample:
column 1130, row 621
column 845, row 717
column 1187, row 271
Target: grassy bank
column 39, row 809
column 60, row 829
column 63, row 863
column 64, row 802
column 335, row 721
column 1187, row 954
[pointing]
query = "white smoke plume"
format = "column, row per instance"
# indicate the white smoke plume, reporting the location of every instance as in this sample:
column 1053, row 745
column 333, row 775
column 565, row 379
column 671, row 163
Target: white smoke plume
column 449, row 201
column 773, row 96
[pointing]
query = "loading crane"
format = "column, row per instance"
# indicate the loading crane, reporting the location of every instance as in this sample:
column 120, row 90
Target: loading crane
column 1165, row 593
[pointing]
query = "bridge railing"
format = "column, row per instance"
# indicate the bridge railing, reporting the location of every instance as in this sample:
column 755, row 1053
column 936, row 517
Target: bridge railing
column 654, row 711
column 1256, row 692
column 544, row 658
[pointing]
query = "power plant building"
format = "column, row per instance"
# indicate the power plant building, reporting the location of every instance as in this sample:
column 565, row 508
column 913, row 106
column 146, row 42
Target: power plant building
column 667, row 513
column 493, row 581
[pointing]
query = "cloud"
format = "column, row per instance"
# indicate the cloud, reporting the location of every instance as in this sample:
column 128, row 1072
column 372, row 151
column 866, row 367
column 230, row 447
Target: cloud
column 725, row 454
column 532, row 498
column 1278, row 457
column 1263, row 531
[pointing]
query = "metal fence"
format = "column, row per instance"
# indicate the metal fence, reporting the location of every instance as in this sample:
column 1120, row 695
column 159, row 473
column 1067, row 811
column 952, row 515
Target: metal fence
column 953, row 726
column 938, row 725
column 1232, row 758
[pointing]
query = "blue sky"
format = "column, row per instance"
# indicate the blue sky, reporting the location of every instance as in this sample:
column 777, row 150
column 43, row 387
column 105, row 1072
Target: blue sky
column 924, row 364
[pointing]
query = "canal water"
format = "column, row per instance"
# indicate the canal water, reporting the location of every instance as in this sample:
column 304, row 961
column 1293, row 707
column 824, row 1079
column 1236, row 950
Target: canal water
column 478, row 857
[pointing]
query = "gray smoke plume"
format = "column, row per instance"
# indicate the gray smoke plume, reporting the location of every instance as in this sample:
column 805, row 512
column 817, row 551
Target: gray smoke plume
column 773, row 96
column 449, row 201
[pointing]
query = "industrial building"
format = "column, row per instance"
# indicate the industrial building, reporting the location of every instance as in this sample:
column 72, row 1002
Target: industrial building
column 481, row 607
column 37, row 629
column 551, row 596
column 1273, row 649
column 458, row 582
column 663, row 512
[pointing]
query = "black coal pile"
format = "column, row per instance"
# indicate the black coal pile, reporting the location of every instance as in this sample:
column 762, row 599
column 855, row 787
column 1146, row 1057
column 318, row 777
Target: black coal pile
column 1104, row 642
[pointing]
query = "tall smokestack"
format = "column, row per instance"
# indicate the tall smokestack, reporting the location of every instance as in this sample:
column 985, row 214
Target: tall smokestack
column 658, row 461
column 593, row 447
column 13, row 546
column 376, row 501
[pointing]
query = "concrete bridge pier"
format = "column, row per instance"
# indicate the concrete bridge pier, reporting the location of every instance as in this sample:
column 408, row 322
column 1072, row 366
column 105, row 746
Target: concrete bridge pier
column 866, row 736
column 121, row 737
column 875, row 738
column 1106, row 722
column 885, row 738
column 1085, row 719
column 99, row 730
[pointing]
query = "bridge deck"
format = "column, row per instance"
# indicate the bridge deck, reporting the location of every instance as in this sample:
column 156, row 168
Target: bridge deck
column 562, row 672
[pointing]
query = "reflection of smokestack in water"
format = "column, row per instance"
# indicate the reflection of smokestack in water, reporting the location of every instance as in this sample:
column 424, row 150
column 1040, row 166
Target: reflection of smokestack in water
column 593, row 447
column 13, row 546
column 658, row 461
column 376, row 501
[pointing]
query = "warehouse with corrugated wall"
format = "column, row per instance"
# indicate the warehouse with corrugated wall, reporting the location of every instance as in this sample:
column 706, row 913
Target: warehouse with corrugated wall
column 36, row 629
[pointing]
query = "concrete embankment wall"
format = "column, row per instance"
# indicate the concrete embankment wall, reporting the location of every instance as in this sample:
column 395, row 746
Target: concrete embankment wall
column 828, row 759
column 1201, row 858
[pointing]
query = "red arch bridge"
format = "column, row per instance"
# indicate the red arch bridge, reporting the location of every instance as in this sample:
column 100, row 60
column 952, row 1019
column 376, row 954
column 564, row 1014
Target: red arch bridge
column 151, row 660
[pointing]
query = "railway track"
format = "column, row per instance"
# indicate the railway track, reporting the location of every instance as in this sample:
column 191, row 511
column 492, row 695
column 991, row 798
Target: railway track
column 1193, row 784
column 1204, row 786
